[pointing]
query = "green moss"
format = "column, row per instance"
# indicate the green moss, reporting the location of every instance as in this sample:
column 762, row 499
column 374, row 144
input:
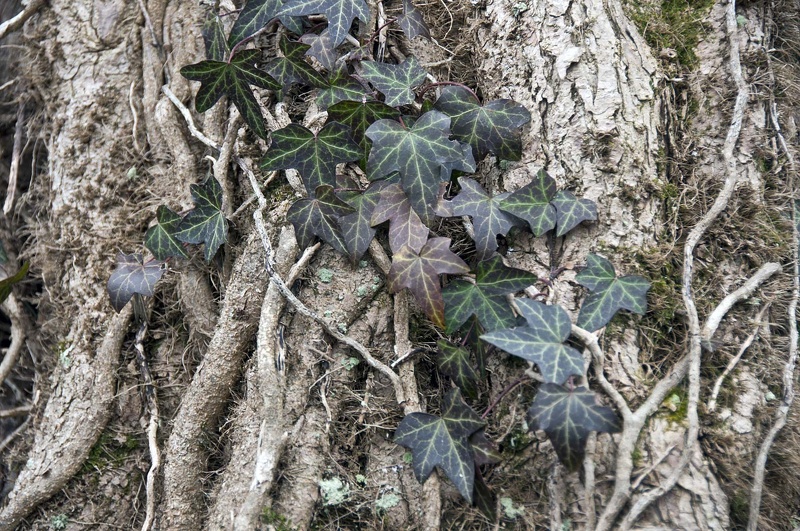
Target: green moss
column 325, row 275
column 277, row 521
column 671, row 24
column 676, row 406
column 109, row 451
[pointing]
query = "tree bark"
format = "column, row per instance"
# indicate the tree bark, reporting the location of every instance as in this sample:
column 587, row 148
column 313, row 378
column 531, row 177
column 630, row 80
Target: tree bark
column 261, row 411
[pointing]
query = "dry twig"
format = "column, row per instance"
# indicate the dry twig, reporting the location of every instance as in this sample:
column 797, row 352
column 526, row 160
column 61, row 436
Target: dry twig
column 16, row 22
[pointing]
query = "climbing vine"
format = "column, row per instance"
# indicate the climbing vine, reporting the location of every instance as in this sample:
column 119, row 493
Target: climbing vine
column 399, row 149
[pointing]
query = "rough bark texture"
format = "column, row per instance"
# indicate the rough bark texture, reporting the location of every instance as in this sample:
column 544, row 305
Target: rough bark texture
column 265, row 421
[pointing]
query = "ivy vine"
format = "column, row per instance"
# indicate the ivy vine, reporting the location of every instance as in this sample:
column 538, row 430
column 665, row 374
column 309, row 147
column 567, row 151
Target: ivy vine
column 401, row 145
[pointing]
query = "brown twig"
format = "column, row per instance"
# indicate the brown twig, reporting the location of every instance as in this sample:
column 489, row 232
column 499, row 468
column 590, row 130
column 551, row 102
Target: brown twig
column 16, row 156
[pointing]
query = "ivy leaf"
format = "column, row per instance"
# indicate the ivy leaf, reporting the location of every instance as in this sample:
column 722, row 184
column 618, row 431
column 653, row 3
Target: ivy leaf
column 160, row 239
column 340, row 14
column 487, row 217
column 405, row 227
column 358, row 116
column 570, row 211
column 443, row 442
column 314, row 156
column 292, row 67
column 8, row 283
column 541, row 341
column 257, row 14
column 416, row 153
column 485, row 499
column 205, row 223
column 484, row 450
column 395, row 81
column 568, row 417
column 454, row 361
column 419, row 272
column 232, row 79
column 319, row 216
column 357, row 230
column 532, row 203
column 321, row 48
column 609, row 293
column 491, row 128
column 341, row 86
column 214, row 38
column 486, row 297
column 411, row 22
column 132, row 276
column 466, row 164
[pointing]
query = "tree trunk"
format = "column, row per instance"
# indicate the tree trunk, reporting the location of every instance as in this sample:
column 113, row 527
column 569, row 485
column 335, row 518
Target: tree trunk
column 650, row 110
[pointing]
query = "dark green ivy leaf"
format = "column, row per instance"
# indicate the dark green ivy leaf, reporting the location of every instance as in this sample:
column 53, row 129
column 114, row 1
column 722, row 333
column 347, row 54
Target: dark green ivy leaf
column 205, row 223
column 341, row 86
column 132, row 276
column 405, row 227
column 466, row 164
column 313, row 156
column 570, row 211
column 319, row 217
column 542, row 341
column 416, row 153
column 292, row 67
column 454, row 361
column 491, row 128
column 443, row 442
column 484, row 450
column 340, row 14
column 568, row 417
column 411, row 22
column 486, row 297
column 419, row 272
column 232, row 79
column 214, row 38
column 357, row 230
column 609, row 293
column 321, row 49
column 256, row 14
column 395, row 81
column 532, row 203
column 8, row 283
column 485, row 499
column 358, row 116
column 487, row 217
column 161, row 238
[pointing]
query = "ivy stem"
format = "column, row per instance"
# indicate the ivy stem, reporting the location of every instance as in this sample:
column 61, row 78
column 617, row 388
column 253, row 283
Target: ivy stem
column 378, row 32
column 446, row 83
column 510, row 387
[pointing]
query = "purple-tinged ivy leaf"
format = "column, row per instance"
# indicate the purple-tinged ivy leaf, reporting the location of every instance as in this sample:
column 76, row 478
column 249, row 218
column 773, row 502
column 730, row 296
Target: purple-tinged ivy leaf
column 419, row 272
column 321, row 49
column 341, row 86
column 132, row 276
column 357, row 230
column 217, row 48
column 405, row 227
